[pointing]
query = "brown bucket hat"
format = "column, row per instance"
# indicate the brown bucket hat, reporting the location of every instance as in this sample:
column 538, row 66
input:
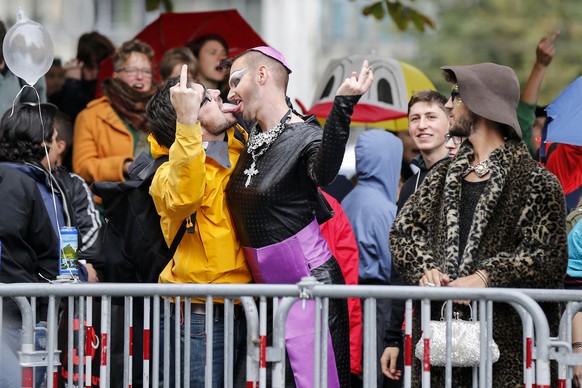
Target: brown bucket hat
column 490, row 91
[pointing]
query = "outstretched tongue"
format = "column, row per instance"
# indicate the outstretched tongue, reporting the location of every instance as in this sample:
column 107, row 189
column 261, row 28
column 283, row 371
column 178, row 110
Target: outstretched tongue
column 231, row 108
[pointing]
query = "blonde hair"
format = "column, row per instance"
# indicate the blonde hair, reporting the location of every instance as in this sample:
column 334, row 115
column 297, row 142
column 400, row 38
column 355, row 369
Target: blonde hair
column 176, row 56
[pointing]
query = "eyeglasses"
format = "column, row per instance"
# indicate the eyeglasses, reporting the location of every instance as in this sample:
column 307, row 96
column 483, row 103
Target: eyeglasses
column 205, row 99
column 133, row 71
column 456, row 139
column 455, row 92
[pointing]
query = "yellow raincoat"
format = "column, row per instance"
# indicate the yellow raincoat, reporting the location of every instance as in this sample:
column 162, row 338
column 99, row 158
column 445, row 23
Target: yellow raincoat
column 192, row 183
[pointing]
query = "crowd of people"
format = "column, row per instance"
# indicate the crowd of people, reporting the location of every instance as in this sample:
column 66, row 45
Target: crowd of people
column 244, row 173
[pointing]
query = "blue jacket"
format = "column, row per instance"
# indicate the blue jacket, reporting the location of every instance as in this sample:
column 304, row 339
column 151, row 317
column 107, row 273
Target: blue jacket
column 41, row 177
column 74, row 206
column 575, row 251
column 371, row 205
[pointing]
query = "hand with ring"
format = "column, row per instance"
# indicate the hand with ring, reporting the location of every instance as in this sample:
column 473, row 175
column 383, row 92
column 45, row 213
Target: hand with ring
column 434, row 278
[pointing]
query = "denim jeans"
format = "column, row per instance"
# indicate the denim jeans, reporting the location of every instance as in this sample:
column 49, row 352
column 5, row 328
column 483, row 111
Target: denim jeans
column 198, row 349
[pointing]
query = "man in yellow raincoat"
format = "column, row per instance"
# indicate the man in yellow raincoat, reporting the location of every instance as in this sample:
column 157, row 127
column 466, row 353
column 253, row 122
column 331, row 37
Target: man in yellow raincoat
column 199, row 133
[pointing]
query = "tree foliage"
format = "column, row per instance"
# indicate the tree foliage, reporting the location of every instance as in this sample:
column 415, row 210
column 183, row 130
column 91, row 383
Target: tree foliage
column 402, row 15
column 472, row 31
column 152, row 5
column 504, row 32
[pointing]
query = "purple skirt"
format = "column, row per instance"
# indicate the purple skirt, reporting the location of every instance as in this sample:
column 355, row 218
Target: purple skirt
column 287, row 262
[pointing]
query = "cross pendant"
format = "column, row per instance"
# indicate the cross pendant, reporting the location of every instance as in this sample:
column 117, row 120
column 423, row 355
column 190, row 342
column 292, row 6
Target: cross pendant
column 250, row 172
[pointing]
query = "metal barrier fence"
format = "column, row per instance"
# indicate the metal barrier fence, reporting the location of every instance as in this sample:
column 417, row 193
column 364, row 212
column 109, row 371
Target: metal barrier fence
column 79, row 300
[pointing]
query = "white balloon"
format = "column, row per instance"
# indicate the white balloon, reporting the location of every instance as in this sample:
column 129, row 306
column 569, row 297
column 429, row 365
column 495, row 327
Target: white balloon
column 28, row 49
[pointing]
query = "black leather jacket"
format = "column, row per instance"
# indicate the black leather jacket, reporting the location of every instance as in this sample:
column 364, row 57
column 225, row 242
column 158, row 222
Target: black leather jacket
column 278, row 201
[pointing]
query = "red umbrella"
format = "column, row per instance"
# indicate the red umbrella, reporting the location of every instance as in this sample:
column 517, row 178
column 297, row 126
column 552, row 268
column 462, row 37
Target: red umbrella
column 178, row 29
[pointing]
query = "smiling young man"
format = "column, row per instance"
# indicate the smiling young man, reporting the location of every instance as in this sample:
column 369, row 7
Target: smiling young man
column 428, row 123
column 192, row 125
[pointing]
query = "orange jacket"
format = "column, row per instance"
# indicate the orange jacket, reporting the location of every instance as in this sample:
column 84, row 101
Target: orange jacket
column 102, row 143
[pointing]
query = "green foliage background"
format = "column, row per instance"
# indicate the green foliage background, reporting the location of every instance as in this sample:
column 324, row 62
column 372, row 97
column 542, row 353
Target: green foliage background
column 504, row 32
column 465, row 32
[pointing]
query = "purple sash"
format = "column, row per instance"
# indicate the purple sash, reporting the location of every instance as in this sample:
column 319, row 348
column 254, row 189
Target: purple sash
column 287, row 262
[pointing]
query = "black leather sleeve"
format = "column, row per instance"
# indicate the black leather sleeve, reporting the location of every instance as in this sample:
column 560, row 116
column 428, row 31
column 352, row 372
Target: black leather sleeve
column 329, row 155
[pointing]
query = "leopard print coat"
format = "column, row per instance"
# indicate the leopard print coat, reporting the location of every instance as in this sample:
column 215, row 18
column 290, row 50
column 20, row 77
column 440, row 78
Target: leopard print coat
column 518, row 235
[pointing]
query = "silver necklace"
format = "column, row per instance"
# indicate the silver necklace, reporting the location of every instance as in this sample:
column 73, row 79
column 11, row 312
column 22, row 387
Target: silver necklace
column 481, row 169
column 261, row 141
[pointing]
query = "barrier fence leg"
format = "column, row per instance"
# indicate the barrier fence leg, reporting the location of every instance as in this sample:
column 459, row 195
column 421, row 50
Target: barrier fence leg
column 104, row 367
column 72, row 327
column 252, row 319
column 425, row 307
column 166, row 357
column 543, row 374
column 187, row 344
column 177, row 348
column 90, row 346
column 27, row 377
column 156, row 342
column 279, row 349
column 51, row 345
column 128, row 342
column 325, row 336
column 209, row 340
column 528, row 353
column 369, row 342
column 317, row 361
column 27, row 341
column 146, row 341
column 263, row 342
column 228, row 343
column 408, row 344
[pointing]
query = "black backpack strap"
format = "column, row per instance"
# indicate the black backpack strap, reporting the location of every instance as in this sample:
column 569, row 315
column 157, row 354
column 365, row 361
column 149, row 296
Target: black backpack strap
column 147, row 172
column 178, row 238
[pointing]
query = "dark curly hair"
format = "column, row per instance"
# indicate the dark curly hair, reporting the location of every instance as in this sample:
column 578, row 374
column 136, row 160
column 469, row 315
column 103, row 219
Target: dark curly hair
column 22, row 133
column 161, row 114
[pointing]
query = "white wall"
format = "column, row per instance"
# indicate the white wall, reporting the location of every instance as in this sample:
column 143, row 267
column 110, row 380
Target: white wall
column 294, row 28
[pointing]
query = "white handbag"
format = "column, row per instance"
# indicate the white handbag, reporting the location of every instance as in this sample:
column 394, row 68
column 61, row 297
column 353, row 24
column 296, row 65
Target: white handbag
column 465, row 342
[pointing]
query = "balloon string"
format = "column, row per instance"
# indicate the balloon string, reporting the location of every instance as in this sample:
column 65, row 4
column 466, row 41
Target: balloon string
column 18, row 94
column 37, row 102
column 50, row 170
column 49, row 165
